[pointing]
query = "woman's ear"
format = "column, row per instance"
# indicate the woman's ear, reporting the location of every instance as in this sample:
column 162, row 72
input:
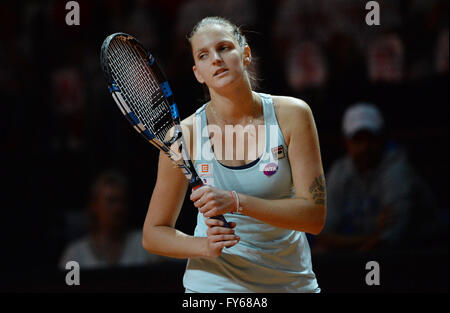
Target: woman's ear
column 197, row 75
column 247, row 55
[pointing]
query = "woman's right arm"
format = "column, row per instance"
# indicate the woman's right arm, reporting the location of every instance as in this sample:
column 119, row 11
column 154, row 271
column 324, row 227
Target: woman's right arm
column 159, row 233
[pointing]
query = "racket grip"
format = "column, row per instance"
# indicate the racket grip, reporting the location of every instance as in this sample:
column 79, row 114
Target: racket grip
column 222, row 218
column 197, row 183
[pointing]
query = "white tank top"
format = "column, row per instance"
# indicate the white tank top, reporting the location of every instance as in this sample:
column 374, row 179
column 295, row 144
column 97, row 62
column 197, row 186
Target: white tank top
column 267, row 258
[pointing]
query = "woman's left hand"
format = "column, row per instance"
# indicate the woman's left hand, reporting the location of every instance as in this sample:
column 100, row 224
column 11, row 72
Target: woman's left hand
column 211, row 201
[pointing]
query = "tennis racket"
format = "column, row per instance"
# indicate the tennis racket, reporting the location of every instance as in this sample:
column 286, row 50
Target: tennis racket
column 143, row 94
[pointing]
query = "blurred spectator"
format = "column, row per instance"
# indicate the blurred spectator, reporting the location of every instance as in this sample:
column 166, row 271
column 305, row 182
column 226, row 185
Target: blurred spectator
column 424, row 19
column 306, row 66
column 346, row 17
column 386, row 59
column 318, row 20
column 373, row 193
column 299, row 21
column 69, row 106
column 109, row 242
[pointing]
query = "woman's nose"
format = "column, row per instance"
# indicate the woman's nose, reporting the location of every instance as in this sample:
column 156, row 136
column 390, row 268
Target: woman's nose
column 216, row 58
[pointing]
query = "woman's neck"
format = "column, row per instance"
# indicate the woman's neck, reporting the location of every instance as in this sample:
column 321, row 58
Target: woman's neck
column 235, row 106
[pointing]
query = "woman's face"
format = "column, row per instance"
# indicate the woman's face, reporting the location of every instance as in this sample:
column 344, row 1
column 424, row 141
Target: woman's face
column 219, row 60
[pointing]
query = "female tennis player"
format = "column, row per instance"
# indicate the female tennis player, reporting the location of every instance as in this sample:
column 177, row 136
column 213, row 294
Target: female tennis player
column 271, row 188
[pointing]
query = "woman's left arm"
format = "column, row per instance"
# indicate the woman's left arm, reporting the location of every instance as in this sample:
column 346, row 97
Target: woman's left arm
column 307, row 210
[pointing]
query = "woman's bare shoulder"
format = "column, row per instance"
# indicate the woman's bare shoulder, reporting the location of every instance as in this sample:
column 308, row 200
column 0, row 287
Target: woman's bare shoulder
column 291, row 113
column 289, row 105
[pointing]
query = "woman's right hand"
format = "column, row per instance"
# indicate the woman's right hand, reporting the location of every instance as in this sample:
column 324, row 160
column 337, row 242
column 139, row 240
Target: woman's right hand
column 219, row 237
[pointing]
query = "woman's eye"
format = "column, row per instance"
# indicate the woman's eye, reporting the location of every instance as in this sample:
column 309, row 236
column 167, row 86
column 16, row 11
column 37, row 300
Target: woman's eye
column 202, row 56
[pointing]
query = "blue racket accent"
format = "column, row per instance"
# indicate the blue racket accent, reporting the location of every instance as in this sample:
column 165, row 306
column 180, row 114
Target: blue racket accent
column 113, row 87
column 151, row 58
column 133, row 118
column 148, row 135
column 166, row 89
column 174, row 111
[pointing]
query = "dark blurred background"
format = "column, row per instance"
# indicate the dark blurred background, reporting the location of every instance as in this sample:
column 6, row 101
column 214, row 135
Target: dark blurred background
column 61, row 128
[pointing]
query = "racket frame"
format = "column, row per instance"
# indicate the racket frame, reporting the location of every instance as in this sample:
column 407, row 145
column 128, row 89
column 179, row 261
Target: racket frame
column 180, row 158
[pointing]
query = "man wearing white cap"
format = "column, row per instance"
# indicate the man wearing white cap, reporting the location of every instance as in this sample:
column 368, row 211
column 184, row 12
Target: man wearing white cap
column 372, row 191
column 363, row 126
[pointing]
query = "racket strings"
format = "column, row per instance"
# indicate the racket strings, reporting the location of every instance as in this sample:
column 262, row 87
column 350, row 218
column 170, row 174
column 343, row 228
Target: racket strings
column 140, row 88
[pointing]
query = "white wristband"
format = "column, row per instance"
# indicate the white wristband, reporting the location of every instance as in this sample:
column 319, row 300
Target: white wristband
column 238, row 207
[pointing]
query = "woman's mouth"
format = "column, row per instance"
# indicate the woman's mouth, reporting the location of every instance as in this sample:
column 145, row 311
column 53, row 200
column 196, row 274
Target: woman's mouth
column 220, row 71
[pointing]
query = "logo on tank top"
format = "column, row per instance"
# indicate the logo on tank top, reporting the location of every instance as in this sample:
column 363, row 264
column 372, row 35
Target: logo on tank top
column 205, row 169
column 270, row 169
column 278, row 152
column 208, row 181
column 205, row 172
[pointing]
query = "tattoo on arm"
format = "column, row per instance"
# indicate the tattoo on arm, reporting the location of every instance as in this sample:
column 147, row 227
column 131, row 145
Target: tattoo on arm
column 317, row 189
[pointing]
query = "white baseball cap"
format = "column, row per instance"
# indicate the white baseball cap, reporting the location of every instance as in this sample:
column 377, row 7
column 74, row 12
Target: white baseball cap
column 362, row 116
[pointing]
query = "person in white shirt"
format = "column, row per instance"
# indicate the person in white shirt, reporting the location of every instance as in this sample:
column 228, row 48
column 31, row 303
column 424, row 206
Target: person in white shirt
column 109, row 241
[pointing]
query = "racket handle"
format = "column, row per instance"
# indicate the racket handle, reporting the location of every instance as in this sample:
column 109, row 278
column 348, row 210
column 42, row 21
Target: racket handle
column 197, row 183
column 222, row 218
